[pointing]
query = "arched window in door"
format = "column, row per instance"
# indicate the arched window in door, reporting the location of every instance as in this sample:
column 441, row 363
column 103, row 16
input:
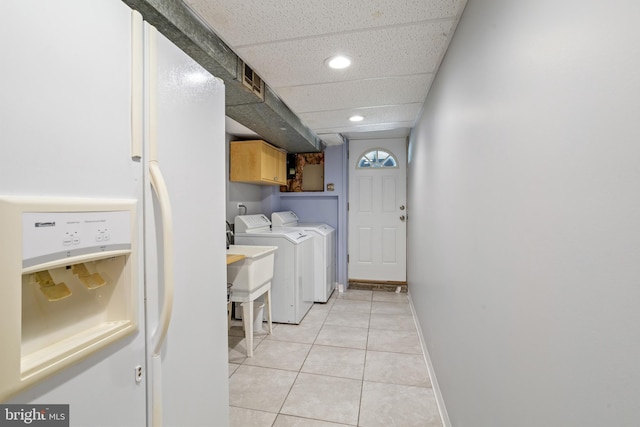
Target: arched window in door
column 377, row 158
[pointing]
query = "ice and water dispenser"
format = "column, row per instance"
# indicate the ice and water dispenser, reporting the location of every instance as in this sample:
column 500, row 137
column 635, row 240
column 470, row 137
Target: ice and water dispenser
column 67, row 283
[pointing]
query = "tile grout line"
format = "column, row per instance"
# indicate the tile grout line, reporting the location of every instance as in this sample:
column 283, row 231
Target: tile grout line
column 315, row 344
column 364, row 367
column 300, row 370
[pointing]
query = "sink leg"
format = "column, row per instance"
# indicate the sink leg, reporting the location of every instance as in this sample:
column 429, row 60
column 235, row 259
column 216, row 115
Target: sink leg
column 247, row 320
column 267, row 301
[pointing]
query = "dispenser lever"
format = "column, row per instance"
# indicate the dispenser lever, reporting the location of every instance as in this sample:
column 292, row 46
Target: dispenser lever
column 91, row 281
column 53, row 291
column 44, row 278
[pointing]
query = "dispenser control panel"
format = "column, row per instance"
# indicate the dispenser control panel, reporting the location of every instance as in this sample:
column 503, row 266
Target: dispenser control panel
column 48, row 236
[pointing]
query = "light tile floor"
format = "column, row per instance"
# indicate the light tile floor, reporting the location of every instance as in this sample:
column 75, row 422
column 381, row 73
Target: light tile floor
column 354, row 361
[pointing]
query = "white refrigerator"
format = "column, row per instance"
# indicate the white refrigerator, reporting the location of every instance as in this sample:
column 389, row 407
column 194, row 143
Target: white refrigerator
column 83, row 98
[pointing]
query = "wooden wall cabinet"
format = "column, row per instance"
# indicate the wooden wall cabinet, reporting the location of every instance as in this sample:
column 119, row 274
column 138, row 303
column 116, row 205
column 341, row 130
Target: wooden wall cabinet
column 257, row 162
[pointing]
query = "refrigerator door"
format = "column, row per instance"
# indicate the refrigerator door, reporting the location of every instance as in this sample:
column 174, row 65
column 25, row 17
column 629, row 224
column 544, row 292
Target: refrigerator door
column 186, row 120
column 66, row 127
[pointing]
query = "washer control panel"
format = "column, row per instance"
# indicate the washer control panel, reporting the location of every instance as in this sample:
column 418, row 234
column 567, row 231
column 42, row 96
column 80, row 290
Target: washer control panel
column 248, row 223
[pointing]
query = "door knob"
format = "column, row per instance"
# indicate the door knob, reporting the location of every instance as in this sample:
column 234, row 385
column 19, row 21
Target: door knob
column 401, row 207
column 401, row 217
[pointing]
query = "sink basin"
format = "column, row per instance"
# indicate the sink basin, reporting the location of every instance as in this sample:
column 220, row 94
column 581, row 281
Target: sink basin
column 250, row 273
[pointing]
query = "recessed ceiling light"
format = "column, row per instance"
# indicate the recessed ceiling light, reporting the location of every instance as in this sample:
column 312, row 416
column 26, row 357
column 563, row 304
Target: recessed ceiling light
column 356, row 118
column 338, row 62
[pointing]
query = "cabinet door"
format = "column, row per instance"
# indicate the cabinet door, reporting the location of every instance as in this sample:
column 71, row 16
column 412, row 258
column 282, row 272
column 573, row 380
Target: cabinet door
column 257, row 162
column 268, row 171
column 274, row 165
column 281, row 158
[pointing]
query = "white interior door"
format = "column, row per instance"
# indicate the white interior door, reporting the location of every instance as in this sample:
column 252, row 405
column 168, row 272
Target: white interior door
column 377, row 210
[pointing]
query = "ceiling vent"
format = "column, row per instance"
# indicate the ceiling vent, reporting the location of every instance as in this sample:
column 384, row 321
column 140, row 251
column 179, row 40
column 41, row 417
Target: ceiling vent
column 250, row 79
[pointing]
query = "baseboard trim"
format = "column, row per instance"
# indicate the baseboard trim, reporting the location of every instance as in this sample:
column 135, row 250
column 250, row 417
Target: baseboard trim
column 434, row 382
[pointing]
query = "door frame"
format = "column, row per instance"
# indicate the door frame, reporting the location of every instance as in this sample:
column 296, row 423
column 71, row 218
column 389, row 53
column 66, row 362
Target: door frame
column 397, row 146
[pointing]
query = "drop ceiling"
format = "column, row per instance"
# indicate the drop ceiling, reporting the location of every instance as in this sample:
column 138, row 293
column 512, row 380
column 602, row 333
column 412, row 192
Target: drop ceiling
column 395, row 47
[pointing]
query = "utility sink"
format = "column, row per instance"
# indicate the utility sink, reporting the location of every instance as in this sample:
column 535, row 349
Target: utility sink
column 250, row 278
column 253, row 271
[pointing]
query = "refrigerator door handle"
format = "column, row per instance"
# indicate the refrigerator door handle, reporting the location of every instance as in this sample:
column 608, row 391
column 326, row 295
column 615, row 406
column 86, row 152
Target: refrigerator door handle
column 160, row 188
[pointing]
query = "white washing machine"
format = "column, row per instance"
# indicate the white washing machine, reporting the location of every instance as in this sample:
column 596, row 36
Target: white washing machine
column 292, row 293
column 324, row 237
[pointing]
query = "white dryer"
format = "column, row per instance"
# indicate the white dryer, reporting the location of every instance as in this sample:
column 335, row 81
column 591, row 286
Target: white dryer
column 292, row 293
column 324, row 276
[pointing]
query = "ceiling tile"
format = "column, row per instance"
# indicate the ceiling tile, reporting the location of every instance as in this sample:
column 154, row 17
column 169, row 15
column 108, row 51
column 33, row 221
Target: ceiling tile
column 257, row 21
column 373, row 128
column 357, row 93
column 390, row 51
column 392, row 133
column 385, row 117
column 395, row 46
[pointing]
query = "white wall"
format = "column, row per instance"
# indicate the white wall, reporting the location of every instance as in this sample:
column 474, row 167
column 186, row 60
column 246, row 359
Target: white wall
column 524, row 232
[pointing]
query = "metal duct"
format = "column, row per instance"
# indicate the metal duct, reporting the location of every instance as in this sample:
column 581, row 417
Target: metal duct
column 270, row 117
